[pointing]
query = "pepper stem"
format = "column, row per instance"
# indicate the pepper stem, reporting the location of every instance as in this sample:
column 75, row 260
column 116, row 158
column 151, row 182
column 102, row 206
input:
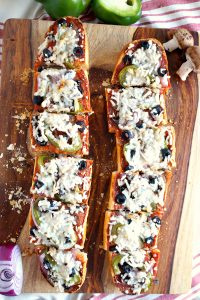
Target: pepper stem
column 130, row 2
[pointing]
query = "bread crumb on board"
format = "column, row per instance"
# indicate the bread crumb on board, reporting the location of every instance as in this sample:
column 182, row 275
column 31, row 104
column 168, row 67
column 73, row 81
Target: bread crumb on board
column 18, row 159
column 11, row 147
column 13, row 240
column 26, row 76
column 106, row 82
column 20, row 119
column 17, row 198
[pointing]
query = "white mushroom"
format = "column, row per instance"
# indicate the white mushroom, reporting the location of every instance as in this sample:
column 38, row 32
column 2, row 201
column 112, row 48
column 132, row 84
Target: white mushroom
column 192, row 63
column 180, row 38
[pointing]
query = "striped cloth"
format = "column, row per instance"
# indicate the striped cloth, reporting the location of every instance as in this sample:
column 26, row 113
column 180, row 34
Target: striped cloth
column 171, row 13
column 157, row 14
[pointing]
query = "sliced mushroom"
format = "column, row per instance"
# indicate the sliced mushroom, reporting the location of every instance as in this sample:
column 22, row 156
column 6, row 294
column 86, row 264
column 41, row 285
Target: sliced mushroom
column 180, row 38
column 192, row 63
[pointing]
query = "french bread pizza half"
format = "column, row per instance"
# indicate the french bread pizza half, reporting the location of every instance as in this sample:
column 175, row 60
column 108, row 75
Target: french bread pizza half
column 142, row 63
column 134, row 272
column 53, row 223
column 65, row 45
column 135, row 108
column 61, row 90
column 65, row 270
column 139, row 191
column 66, row 179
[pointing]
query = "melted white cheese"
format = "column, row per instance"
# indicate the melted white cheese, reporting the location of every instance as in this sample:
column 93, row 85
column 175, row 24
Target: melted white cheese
column 58, row 89
column 140, row 192
column 66, row 264
column 147, row 62
column 130, row 236
column 61, row 176
column 44, row 125
column 135, row 104
column 58, row 226
column 141, row 273
column 144, row 149
column 66, row 40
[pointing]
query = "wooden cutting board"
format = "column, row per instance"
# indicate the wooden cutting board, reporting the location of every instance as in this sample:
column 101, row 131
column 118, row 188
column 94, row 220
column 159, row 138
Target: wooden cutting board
column 21, row 39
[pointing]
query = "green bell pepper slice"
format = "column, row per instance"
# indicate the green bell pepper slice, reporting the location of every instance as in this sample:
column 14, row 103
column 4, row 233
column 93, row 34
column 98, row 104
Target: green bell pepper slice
column 115, row 228
column 49, row 258
column 42, row 159
column 69, row 148
column 122, row 12
column 76, row 279
column 62, row 8
column 115, row 263
column 36, row 212
column 122, row 75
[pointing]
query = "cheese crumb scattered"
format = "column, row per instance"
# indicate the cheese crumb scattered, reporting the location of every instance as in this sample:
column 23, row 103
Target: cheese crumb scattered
column 13, row 240
column 20, row 119
column 11, row 147
column 17, row 198
column 106, row 82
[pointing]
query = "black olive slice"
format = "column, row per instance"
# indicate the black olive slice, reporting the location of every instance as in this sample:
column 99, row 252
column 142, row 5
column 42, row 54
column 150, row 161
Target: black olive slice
column 78, row 51
column 47, row 53
column 120, row 198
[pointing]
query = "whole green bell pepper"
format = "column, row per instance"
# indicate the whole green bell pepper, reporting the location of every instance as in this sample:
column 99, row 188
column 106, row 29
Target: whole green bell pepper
column 123, row 12
column 62, row 8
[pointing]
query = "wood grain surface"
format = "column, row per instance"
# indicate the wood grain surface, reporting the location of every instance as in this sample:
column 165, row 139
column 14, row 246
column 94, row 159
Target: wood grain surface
column 21, row 39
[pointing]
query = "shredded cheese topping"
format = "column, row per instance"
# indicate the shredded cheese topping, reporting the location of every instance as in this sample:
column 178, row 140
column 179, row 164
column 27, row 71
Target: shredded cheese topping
column 61, row 177
column 133, row 105
column 129, row 232
column 140, row 270
column 57, row 225
column 144, row 150
column 61, row 130
column 59, row 90
column 67, row 266
column 146, row 62
column 61, row 46
column 142, row 191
